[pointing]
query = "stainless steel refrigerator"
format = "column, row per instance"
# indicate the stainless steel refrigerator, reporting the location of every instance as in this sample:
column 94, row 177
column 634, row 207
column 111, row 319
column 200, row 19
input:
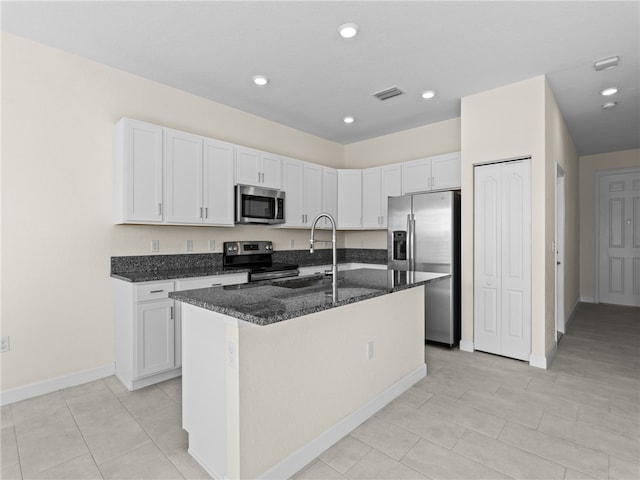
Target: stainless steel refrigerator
column 424, row 235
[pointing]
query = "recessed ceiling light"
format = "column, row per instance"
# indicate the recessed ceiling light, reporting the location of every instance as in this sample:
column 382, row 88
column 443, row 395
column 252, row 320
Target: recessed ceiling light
column 260, row 80
column 609, row 91
column 606, row 63
column 609, row 105
column 348, row 30
column 428, row 94
column 349, row 119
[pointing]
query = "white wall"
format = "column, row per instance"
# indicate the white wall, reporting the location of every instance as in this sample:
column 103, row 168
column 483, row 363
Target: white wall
column 589, row 165
column 520, row 120
column 59, row 111
column 501, row 124
column 560, row 149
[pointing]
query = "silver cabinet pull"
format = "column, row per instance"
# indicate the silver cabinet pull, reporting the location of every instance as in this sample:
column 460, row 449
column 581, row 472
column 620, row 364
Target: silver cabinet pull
column 206, row 212
column 159, row 209
column 156, row 291
column 171, row 313
column 201, row 213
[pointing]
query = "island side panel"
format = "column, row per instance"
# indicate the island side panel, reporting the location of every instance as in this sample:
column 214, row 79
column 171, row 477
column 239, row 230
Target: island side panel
column 209, row 398
column 301, row 377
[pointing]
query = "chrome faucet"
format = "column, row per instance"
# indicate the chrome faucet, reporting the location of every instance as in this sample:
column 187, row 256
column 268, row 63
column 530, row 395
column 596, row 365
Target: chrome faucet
column 334, row 265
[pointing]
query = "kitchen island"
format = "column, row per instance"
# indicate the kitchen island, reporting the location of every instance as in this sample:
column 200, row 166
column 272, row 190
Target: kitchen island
column 276, row 372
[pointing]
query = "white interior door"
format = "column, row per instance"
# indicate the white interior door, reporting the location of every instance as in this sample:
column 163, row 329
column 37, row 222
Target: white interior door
column 487, row 258
column 516, row 260
column 560, row 248
column 502, row 259
column 619, row 238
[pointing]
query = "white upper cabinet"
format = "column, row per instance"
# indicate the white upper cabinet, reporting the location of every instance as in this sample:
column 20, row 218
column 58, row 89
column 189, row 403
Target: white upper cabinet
column 349, row 198
column 302, row 183
column 261, row 169
column 138, row 173
column 446, row 171
column 378, row 184
column 198, row 179
column 217, row 193
column 371, row 194
column 329, row 195
column 434, row 173
column 183, row 177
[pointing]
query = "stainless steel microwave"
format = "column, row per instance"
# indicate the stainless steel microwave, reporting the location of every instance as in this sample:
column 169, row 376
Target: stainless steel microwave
column 259, row 205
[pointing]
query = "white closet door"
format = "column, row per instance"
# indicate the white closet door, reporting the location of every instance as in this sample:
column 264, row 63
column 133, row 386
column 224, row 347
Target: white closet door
column 619, row 238
column 516, row 260
column 502, row 259
column 487, row 260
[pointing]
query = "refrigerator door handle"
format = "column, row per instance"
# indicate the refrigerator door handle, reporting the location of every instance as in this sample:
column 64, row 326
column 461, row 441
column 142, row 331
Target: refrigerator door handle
column 410, row 242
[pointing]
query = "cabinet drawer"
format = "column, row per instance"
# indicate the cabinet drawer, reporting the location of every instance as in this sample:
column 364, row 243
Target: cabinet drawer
column 213, row 281
column 153, row 291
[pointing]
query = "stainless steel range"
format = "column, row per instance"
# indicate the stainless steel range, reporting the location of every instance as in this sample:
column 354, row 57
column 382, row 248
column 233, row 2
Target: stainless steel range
column 257, row 257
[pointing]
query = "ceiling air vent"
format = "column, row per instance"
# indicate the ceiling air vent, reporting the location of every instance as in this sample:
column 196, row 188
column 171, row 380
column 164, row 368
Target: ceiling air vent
column 387, row 93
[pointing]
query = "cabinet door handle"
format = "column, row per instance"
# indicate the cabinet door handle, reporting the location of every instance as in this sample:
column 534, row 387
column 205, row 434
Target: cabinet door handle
column 216, row 284
column 201, row 212
column 171, row 313
column 156, row 291
column 159, row 209
column 381, row 219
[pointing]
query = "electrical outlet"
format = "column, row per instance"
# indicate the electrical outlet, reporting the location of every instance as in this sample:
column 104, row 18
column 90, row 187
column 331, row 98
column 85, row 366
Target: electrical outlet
column 291, row 243
column 5, row 346
column 361, row 243
column 232, row 353
column 155, row 246
column 189, row 245
column 212, row 245
column 369, row 350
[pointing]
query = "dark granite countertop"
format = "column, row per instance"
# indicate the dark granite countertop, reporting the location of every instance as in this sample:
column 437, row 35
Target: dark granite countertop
column 264, row 303
column 149, row 268
column 172, row 274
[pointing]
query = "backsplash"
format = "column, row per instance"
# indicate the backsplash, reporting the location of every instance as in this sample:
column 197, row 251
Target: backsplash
column 144, row 263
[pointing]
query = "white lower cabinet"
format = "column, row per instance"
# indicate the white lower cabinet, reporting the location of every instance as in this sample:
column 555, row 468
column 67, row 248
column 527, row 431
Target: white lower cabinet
column 149, row 325
column 155, row 337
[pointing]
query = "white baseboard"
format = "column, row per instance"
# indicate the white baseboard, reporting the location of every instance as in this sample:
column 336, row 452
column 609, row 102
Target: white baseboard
column 572, row 315
column 540, row 361
column 466, row 346
column 297, row 460
column 56, row 383
column 587, row 300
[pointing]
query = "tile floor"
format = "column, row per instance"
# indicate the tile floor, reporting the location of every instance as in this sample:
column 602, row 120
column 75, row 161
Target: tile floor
column 475, row 416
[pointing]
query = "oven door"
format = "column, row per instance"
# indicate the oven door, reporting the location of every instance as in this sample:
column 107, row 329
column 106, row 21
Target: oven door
column 259, row 205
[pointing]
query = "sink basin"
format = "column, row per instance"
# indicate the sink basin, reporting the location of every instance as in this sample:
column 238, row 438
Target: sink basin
column 304, row 282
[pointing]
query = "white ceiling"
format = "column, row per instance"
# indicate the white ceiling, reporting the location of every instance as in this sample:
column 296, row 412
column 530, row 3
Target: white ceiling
column 212, row 49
